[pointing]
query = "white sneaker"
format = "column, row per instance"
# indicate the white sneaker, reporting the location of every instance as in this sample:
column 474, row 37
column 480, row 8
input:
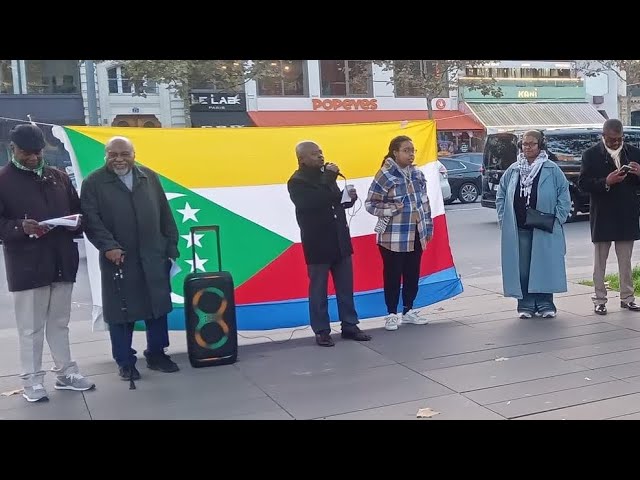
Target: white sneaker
column 524, row 315
column 391, row 322
column 412, row 316
column 548, row 314
column 35, row 393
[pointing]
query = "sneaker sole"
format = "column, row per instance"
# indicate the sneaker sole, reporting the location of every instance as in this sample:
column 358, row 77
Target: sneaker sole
column 162, row 370
column 33, row 400
column 75, row 389
column 416, row 323
column 391, row 328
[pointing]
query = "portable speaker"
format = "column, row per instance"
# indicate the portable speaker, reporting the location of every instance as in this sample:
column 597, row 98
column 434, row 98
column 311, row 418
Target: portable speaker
column 210, row 313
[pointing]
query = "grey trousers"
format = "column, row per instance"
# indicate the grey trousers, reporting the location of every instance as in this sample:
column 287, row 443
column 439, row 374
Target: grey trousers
column 342, row 274
column 39, row 312
column 624, row 251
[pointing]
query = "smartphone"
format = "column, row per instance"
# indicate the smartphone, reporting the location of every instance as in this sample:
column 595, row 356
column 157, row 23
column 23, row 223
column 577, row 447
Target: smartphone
column 625, row 168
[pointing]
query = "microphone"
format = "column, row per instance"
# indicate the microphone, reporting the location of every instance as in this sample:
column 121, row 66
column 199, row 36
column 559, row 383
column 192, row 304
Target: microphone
column 322, row 169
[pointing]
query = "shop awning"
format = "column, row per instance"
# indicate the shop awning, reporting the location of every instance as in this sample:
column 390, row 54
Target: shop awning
column 445, row 119
column 221, row 119
column 498, row 117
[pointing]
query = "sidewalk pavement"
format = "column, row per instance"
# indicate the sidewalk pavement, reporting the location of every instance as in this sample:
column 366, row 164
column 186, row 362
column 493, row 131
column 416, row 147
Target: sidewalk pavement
column 475, row 360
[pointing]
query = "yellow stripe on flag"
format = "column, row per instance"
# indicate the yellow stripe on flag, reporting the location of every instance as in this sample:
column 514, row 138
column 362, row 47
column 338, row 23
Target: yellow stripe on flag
column 232, row 157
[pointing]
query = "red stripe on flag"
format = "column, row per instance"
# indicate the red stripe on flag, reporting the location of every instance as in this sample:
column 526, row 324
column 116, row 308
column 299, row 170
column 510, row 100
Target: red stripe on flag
column 286, row 277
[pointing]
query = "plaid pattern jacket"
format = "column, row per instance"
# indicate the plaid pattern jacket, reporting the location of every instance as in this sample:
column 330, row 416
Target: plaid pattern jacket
column 404, row 202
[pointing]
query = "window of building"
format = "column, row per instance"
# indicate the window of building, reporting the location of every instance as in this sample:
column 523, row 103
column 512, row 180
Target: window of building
column 6, row 77
column 53, row 76
column 346, row 78
column 290, row 79
column 119, row 83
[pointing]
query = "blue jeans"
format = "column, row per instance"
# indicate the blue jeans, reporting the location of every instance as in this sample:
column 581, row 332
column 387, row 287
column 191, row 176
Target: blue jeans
column 531, row 302
column 122, row 336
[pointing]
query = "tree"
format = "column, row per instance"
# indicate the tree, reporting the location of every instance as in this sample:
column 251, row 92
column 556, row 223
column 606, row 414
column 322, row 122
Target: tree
column 184, row 75
column 434, row 78
column 592, row 68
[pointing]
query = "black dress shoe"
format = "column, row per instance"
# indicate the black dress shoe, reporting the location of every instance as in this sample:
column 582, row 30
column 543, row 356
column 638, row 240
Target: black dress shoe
column 324, row 339
column 129, row 373
column 600, row 309
column 630, row 306
column 354, row 333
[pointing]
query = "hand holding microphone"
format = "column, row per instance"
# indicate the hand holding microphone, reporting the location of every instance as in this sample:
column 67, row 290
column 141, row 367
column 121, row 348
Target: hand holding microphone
column 333, row 168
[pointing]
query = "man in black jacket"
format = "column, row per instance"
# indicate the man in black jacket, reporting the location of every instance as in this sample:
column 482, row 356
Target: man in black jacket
column 326, row 241
column 610, row 173
column 41, row 263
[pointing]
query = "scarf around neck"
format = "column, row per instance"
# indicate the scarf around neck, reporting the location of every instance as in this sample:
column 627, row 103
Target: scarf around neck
column 528, row 172
column 39, row 170
column 615, row 154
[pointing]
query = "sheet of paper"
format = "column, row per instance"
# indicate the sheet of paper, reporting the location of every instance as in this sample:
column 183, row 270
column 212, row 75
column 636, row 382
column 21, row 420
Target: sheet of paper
column 68, row 221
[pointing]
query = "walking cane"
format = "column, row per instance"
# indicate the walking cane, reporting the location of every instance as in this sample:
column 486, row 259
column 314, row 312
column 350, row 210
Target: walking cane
column 118, row 276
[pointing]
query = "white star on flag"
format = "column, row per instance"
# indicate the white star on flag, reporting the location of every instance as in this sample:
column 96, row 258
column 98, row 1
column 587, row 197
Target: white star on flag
column 196, row 238
column 188, row 213
column 199, row 263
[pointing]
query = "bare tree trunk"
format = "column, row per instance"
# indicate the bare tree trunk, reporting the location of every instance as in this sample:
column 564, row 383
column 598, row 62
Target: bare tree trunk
column 429, row 106
column 186, row 101
column 187, row 113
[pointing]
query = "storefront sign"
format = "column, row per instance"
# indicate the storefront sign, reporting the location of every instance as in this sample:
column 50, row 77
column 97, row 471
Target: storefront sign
column 527, row 94
column 333, row 104
column 203, row 101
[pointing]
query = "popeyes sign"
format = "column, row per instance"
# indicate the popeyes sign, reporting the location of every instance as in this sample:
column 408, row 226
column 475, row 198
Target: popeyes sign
column 333, row 104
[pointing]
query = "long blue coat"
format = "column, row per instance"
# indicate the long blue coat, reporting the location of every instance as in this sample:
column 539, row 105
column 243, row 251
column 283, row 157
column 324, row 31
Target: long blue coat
column 548, row 274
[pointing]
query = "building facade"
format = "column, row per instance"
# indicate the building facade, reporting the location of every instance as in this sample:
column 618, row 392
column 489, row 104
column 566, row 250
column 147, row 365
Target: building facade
column 542, row 94
column 536, row 94
column 308, row 92
column 43, row 90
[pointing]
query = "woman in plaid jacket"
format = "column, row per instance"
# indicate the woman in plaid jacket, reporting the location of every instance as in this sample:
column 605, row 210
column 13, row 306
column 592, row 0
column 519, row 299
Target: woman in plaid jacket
column 398, row 197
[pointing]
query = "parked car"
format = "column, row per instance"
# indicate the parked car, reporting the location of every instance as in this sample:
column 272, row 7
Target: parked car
column 564, row 146
column 444, row 182
column 464, row 176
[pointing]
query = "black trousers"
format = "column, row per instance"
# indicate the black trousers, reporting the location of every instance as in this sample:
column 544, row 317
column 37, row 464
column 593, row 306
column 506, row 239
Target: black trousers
column 342, row 274
column 401, row 267
column 122, row 336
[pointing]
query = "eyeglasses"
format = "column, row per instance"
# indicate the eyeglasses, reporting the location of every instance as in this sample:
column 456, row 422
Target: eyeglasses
column 529, row 144
column 114, row 155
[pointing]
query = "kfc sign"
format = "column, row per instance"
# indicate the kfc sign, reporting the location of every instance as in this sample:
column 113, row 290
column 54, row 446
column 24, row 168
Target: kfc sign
column 333, row 104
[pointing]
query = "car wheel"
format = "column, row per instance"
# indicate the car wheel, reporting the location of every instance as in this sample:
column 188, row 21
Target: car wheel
column 468, row 193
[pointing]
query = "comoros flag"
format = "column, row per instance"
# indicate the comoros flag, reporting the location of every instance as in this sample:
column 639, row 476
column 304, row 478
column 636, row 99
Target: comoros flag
column 236, row 178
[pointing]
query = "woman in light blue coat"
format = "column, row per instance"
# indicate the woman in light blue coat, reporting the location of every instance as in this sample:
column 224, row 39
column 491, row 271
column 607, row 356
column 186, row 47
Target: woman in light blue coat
column 533, row 267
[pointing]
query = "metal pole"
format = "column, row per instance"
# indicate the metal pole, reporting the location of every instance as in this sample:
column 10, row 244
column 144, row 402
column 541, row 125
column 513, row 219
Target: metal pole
column 92, row 101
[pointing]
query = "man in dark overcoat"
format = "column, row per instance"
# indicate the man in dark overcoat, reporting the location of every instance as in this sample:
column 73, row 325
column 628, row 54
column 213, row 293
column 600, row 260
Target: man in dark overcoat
column 610, row 174
column 128, row 219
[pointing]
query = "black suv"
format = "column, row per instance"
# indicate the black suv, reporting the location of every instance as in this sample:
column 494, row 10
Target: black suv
column 565, row 147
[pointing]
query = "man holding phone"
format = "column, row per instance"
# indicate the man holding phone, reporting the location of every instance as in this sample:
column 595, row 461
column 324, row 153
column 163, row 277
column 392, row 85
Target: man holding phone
column 610, row 173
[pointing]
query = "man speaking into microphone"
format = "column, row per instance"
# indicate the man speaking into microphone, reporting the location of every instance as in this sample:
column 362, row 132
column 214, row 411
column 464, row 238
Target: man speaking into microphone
column 326, row 241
